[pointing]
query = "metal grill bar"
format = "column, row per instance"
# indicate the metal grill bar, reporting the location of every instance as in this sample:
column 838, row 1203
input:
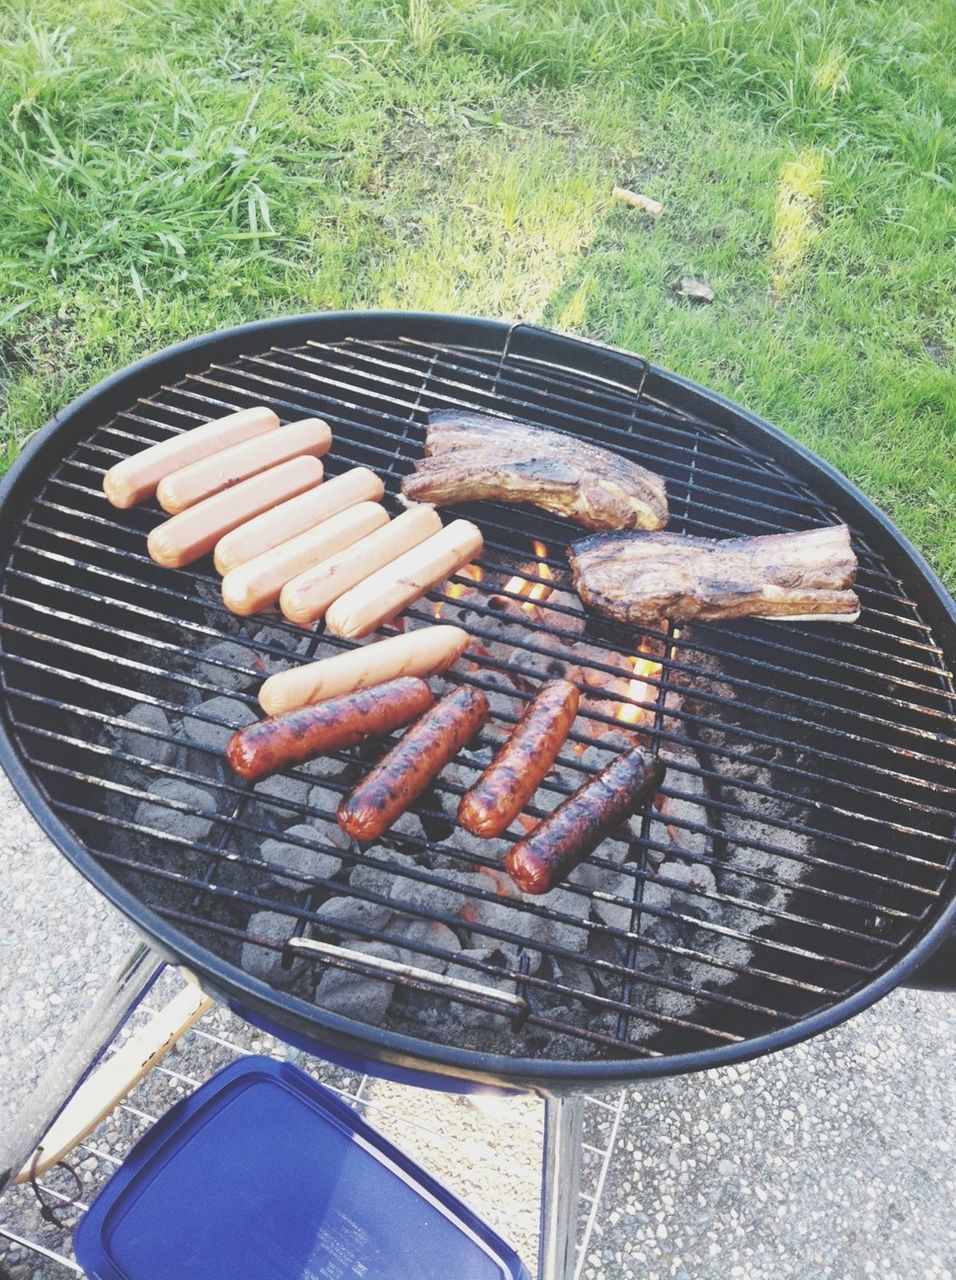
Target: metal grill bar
column 558, row 570
column 305, row 811
column 563, row 407
column 589, row 1034
column 545, row 607
column 763, row 791
column 225, row 405
column 576, row 423
column 834, row 855
column 193, row 683
column 268, row 387
column 557, row 785
column 302, row 810
column 407, row 908
column 142, row 794
column 555, row 531
column 908, row 830
column 141, row 440
column 863, row 589
column 508, row 547
column 619, row 671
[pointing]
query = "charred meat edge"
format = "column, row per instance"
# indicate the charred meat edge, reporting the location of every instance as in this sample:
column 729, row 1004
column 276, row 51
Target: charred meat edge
column 639, row 577
column 472, row 457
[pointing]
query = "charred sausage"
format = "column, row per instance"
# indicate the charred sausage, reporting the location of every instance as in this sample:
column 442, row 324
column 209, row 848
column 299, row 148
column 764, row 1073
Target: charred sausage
column 385, row 793
column 578, row 825
column 513, row 776
column 270, row 745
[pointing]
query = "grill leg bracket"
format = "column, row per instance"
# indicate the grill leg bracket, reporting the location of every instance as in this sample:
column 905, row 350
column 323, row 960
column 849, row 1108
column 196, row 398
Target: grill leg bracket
column 560, row 1183
column 77, row 1058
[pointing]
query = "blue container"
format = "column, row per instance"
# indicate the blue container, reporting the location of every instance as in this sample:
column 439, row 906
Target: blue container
column 262, row 1174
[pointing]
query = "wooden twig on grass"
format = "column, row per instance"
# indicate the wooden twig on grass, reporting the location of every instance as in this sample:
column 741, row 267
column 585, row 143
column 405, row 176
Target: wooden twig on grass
column 636, row 200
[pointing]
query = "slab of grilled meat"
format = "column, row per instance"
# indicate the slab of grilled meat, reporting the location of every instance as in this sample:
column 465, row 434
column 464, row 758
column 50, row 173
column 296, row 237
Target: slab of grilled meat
column 471, row 457
column 639, row 577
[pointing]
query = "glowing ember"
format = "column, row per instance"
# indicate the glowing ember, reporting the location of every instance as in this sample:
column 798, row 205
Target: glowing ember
column 534, row 591
column 637, row 690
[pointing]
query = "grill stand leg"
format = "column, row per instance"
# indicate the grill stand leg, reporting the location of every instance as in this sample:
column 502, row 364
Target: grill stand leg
column 560, row 1183
column 77, row 1057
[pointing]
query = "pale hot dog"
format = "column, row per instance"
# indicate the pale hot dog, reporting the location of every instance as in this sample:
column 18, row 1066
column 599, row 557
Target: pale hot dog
column 295, row 517
column 194, row 532
column 417, row 653
column 256, row 584
column 184, row 488
column 135, row 479
column 390, row 590
column 306, row 597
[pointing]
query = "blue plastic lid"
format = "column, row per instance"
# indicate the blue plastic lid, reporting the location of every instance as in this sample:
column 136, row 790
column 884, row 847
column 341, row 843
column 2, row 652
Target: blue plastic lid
column 262, row 1174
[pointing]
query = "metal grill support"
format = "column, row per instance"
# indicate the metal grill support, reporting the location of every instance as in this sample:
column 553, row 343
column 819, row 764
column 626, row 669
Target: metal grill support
column 76, row 1058
column 560, row 1184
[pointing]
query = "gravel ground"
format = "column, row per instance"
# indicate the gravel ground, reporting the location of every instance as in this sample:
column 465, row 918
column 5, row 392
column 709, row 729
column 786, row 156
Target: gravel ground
column 831, row 1161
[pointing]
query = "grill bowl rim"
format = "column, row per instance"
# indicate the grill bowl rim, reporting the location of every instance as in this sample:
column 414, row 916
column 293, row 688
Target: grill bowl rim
column 435, row 1063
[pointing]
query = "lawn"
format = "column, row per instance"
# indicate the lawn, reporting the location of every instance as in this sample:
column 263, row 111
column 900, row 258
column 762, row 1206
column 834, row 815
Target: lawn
column 173, row 166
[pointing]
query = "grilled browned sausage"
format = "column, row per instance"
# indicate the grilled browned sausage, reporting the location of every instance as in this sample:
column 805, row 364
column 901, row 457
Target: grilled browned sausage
column 385, row 793
column 513, row 776
column 270, row 745
column 579, row 824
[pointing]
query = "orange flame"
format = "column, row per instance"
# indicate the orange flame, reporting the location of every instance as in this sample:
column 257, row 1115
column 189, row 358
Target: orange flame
column 458, row 589
column 637, row 690
column 455, row 590
column 534, row 591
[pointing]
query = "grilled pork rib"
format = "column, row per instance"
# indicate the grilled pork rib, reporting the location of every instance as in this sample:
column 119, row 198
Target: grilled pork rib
column 471, row 457
column 637, row 577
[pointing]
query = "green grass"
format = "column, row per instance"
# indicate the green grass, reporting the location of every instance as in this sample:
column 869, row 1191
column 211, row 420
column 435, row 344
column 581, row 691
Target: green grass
column 173, row 166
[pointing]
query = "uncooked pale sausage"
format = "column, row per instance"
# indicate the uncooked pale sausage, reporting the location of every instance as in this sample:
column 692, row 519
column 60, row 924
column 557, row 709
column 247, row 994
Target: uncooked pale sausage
column 424, row 652
column 579, row 824
column 380, row 597
column 387, row 592
column 189, row 485
column 257, row 584
column 270, row 745
column 402, row 775
column 195, row 531
column 306, row 598
column 292, row 518
column 136, row 478
column 514, row 775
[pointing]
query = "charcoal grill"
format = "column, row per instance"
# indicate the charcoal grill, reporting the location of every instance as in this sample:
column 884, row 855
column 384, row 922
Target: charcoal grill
column 821, row 758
